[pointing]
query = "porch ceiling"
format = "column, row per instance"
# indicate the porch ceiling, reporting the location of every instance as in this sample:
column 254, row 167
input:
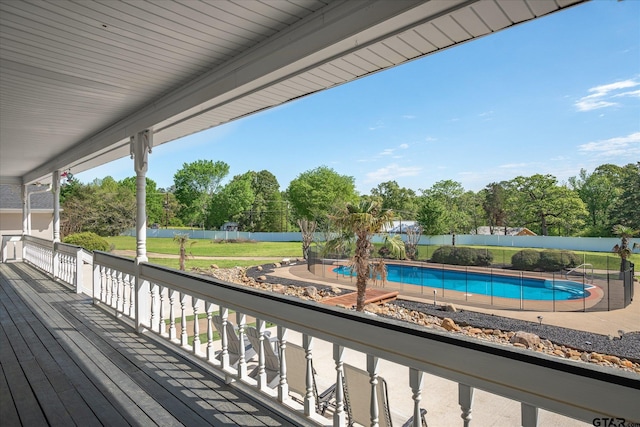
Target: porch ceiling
column 78, row 78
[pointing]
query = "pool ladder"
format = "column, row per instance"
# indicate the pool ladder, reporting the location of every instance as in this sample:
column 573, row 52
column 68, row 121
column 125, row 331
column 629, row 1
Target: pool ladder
column 584, row 272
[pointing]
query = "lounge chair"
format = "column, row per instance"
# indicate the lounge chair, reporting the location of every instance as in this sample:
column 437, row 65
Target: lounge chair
column 357, row 396
column 272, row 360
column 233, row 342
column 296, row 378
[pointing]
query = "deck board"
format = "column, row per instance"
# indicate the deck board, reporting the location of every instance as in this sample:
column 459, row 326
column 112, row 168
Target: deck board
column 65, row 362
column 372, row 296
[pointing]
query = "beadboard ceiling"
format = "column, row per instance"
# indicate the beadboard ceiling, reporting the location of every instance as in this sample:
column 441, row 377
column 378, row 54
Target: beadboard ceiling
column 79, row 77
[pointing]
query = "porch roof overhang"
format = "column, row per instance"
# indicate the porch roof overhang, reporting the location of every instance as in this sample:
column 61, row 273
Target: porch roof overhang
column 77, row 79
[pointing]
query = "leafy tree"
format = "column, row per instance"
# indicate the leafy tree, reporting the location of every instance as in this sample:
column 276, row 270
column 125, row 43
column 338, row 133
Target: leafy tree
column 317, row 192
column 599, row 196
column 540, row 203
column 493, row 204
column 313, row 195
column 104, row 207
column 431, row 216
column 365, row 219
column 268, row 209
column 446, row 208
column 232, row 201
column 154, row 199
column 195, row 184
column 403, row 201
column 627, row 209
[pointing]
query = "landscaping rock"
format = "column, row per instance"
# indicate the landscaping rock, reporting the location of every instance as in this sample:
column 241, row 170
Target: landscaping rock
column 528, row 339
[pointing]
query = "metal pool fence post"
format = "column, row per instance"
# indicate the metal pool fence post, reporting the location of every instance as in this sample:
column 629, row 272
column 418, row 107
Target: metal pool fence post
column 521, row 292
column 553, row 291
column 466, row 284
column 442, row 280
column 491, row 273
column 584, row 297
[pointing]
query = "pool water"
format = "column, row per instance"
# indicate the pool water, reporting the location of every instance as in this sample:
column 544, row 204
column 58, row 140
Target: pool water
column 483, row 284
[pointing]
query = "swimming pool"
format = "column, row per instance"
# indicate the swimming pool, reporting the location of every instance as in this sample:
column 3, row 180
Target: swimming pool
column 484, row 284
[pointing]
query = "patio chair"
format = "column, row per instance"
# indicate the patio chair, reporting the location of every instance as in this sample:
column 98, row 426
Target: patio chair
column 357, row 396
column 272, row 360
column 233, row 342
column 296, row 378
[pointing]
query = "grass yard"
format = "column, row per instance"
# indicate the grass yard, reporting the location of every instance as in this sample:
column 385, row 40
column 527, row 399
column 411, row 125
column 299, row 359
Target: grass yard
column 202, row 247
column 205, row 263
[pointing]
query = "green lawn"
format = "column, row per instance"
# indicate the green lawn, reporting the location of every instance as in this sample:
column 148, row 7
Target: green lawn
column 205, row 263
column 203, row 247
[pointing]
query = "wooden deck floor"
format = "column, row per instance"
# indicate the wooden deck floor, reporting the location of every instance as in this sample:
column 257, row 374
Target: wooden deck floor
column 66, row 362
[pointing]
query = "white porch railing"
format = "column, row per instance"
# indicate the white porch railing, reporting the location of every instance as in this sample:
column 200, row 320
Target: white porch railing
column 159, row 301
column 161, row 296
column 62, row 261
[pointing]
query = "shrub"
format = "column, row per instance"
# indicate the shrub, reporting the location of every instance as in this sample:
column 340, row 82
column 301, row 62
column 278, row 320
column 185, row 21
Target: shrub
column 547, row 260
column 557, row 260
column 526, row 259
column 462, row 256
column 484, row 258
column 442, row 255
column 88, row 240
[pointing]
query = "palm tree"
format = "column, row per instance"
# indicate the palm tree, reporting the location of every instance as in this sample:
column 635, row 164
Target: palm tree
column 364, row 220
column 182, row 239
column 623, row 250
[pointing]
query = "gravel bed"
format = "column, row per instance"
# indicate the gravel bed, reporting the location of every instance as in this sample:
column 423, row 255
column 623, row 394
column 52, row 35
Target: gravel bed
column 627, row 346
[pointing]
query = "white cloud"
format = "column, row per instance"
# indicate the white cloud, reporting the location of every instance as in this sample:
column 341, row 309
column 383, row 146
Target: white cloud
column 620, row 146
column 430, row 139
column 601, row 96
column 391, row 172
column 513, row 165
column 403, row 146
column 408, row 116
column 377, row 125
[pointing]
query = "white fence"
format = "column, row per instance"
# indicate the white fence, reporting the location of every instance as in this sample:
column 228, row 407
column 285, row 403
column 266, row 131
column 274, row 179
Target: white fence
column 592, row 244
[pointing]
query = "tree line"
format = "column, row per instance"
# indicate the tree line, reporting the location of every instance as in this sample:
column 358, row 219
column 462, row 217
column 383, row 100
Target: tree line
column 588, row 205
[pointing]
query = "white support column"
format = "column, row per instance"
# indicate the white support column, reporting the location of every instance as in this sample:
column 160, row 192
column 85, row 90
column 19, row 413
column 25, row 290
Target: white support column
column 262, row 373
column 141, row 145
column 25, row 219
column 529, row 415
column 241, row 320
column 55, row 186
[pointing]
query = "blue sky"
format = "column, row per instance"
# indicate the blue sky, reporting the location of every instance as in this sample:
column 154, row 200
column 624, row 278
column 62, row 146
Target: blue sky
column 549, row 96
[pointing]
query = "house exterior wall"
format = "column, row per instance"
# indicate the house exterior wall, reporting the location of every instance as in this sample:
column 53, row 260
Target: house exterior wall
column 41, row 224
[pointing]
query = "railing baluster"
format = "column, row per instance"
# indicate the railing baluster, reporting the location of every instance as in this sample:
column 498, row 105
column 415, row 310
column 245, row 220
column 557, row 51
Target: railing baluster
column 184, row 338
column 224, row 353
column 153, row 287
column 283, row 387
column 162, row 328
column 309, row 398
column 529, row 415
column 211, row 354
column 465, row 399
column 119, row 296
column 372, row 368
column 132, row 296
column 241, row 319
column 262, row 373
column 415, row 380
column 339, row 414
column 172, row 315
column 196, row 326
